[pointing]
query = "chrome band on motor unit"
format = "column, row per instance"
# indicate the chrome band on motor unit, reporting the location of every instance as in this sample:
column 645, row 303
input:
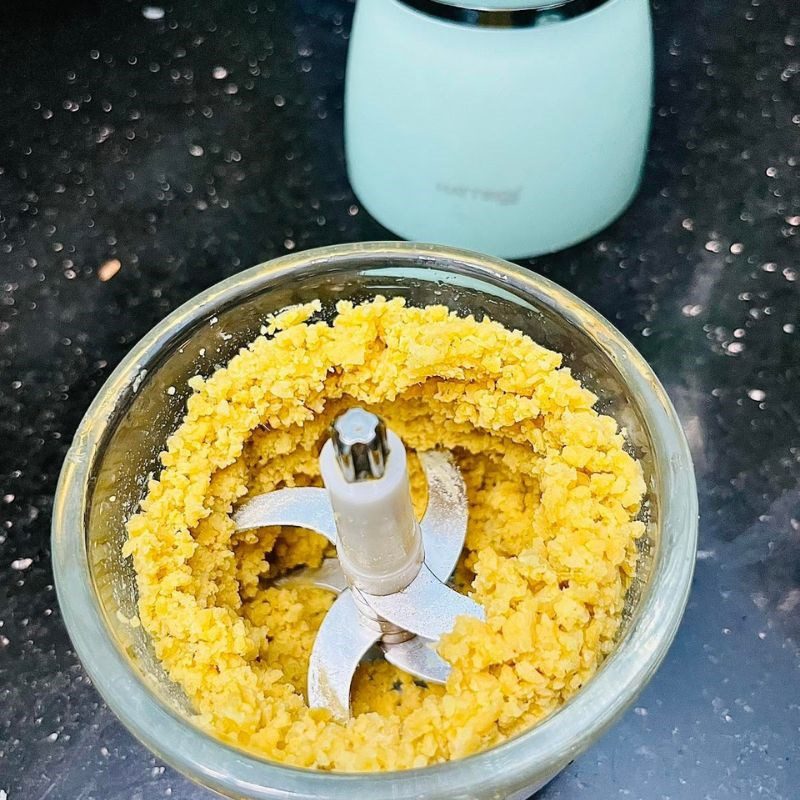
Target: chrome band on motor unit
column 557, row 11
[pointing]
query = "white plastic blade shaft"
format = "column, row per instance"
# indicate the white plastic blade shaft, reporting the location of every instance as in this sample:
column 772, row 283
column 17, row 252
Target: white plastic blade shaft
column 379, row 541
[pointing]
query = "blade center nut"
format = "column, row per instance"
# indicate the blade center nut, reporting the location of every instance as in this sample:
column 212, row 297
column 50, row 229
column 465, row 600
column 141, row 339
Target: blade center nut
column 360, row 443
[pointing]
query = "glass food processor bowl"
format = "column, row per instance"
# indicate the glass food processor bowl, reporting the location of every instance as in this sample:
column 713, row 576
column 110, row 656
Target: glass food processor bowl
column 117, row 445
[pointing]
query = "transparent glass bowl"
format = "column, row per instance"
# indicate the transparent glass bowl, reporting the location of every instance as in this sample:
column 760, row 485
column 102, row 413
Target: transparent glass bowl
column 119, row 439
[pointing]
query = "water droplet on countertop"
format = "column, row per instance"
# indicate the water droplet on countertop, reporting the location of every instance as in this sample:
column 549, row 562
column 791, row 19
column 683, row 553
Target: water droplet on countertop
column 153, row 12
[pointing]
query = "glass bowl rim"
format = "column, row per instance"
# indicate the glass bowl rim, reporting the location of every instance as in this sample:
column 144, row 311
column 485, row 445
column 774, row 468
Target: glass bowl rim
column 536, row 754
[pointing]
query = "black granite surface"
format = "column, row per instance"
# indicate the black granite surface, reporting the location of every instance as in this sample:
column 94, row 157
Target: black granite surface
column 185, row 141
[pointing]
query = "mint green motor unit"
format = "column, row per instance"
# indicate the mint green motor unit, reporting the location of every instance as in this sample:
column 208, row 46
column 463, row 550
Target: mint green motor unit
column 515, row 129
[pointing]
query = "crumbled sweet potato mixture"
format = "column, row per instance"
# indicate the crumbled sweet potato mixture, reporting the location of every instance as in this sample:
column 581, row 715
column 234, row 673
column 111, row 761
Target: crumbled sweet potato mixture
column 550, row 548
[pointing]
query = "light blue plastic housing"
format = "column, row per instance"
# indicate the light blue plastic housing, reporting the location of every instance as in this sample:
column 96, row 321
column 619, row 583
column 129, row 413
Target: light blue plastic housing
column 511, row 140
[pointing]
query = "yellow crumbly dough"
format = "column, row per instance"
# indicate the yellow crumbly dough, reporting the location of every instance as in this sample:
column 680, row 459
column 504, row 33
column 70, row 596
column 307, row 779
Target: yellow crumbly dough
column 550, row 548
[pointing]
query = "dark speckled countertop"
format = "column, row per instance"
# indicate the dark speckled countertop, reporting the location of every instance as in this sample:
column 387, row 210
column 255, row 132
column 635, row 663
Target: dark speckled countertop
column 146, row 152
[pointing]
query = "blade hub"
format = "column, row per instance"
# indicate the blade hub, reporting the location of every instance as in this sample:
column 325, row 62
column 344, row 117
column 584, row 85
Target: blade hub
column 391, row 572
